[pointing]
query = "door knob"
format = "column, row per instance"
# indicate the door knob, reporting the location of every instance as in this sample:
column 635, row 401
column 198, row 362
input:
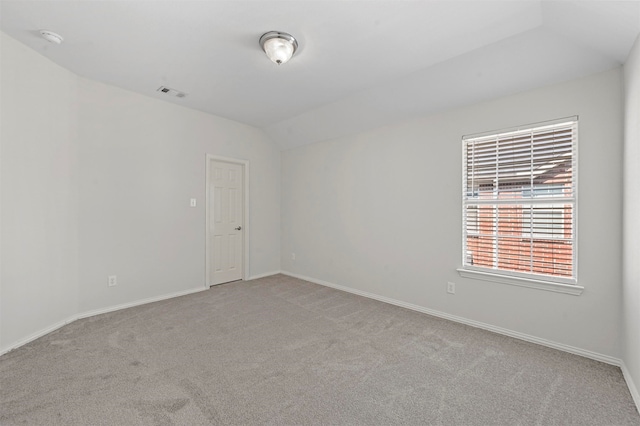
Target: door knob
column 239, row 228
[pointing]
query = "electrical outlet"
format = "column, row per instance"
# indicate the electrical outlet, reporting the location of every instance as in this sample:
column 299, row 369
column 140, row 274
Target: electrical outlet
column 293, row 256
column 113, row 280
column 451, row 288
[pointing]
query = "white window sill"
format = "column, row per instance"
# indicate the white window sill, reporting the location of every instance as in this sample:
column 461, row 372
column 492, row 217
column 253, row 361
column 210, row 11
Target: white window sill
column 576, row 290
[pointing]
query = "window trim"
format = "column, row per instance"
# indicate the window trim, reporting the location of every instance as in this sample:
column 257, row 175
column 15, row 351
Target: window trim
column 531, row 280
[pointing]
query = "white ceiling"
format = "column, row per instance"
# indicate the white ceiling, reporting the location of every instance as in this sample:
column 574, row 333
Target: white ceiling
column 361, row 64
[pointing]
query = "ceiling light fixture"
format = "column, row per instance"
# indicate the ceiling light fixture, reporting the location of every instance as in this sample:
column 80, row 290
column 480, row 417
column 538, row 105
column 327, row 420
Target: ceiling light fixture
column 51, row 36
column 278, row 46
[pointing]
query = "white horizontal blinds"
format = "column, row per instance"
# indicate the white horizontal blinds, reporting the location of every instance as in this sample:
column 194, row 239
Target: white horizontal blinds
column 519, row 200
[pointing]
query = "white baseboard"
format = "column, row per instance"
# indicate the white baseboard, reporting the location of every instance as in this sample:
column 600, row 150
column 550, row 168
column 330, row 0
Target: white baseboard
column 267, row 274
column 92, row 313
column 139, row 302
column 515, row 334
column 100, row 311
column 631, row 384
column 37, row 335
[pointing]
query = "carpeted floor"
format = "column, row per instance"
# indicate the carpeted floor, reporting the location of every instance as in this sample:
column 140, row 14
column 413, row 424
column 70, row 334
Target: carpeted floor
column 283, row 351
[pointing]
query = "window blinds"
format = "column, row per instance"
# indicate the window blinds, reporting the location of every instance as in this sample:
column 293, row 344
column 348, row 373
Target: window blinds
column 519, row 201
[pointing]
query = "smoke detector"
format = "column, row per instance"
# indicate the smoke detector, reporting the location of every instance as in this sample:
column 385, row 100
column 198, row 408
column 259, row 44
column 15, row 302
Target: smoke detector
column 51, row 37
column 172, row 92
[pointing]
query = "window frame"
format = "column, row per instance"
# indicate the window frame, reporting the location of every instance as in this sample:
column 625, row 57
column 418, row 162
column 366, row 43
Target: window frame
column 553, row 283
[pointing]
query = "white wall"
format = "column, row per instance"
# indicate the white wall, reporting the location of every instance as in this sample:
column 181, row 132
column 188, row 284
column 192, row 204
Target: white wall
column 380, row 212
column 631, row 247
column 96, row 181
column 39, row 193
column 141, row 160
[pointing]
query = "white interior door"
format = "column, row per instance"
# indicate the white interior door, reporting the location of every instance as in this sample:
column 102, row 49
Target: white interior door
column 226, row 224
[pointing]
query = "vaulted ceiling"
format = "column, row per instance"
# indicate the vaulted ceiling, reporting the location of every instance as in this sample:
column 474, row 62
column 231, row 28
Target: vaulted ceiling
column 360, row 64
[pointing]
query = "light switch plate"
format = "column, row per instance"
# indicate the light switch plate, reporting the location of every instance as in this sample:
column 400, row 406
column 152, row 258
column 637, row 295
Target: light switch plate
column 193, row 202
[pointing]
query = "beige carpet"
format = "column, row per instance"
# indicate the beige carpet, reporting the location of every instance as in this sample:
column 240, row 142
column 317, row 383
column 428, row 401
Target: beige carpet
column 283, row 351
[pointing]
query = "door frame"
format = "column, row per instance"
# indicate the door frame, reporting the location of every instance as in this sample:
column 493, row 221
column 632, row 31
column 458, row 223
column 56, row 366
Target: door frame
column 245, row 215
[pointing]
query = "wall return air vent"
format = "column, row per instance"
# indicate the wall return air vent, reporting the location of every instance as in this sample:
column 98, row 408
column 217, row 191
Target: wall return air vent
column 171, row 92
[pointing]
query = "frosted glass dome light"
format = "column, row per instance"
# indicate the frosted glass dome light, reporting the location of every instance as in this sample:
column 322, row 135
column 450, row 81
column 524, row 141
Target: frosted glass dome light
column 278, row 46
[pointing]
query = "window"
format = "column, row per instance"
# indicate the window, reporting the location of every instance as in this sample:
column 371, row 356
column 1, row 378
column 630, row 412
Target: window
column 519, row 202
